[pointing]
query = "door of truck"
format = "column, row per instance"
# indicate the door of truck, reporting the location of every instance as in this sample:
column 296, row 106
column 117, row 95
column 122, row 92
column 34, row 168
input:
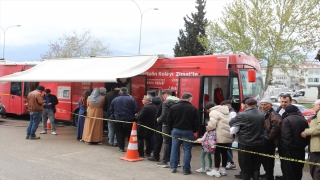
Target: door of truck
column 193, row 85
column 138, row 88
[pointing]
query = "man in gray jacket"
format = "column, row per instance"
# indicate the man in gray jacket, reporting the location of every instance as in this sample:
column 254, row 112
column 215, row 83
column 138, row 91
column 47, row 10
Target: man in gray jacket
column 169, row 101
column 250, row 138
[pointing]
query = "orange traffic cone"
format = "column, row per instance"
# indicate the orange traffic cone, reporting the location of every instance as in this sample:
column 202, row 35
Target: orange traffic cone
column 132, row 151
column 48, row 124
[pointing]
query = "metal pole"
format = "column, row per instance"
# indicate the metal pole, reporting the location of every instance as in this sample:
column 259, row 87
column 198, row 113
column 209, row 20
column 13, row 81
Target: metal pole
column 4, row 38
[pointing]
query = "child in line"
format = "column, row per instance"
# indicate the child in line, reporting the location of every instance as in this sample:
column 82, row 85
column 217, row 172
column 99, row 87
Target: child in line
column 208, row 141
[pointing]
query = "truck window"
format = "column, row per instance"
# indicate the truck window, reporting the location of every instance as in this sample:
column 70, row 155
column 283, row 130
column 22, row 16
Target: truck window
column 15, row 88
column 28, row 87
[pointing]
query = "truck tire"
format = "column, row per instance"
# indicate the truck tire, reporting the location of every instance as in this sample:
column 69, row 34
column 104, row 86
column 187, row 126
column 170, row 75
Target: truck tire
column 75, row 119
column 294, row 101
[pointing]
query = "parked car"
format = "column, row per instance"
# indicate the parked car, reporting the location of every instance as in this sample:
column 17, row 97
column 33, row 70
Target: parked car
column 306, row 112
column 277, row 97
column 305, row 96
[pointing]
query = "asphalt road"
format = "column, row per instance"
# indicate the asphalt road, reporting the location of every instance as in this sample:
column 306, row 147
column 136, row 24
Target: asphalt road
column 63, row 157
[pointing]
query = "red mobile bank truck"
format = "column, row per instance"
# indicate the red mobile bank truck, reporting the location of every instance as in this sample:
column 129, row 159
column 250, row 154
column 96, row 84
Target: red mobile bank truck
column 209, row 78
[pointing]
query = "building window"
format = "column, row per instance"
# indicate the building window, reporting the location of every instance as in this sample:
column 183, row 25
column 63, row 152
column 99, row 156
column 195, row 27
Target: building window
column 315, row 79
column 310, row 79
column 310, row 71
column 316, row 71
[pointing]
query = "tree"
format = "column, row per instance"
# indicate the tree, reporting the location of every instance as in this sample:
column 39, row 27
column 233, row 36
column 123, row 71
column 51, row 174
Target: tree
column 76, row 45
column 188, row 44
column 276, row 32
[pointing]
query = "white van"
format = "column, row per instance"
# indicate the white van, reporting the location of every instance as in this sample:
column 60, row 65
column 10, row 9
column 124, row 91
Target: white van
column 305, row 96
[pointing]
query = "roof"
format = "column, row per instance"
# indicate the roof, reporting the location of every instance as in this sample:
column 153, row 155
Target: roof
column 100, row 69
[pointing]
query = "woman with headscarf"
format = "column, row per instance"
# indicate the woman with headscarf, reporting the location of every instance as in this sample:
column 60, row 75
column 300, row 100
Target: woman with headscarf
column 92, row 132
column 82, row 104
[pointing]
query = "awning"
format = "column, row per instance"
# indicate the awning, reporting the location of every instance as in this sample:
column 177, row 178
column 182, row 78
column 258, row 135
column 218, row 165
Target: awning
column 99, row 69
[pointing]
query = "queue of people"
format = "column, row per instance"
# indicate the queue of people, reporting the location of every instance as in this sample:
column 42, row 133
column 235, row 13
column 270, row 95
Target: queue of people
column 259, row 131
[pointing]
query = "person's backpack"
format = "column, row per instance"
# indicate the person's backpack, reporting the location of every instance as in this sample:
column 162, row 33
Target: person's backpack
column 209, row 142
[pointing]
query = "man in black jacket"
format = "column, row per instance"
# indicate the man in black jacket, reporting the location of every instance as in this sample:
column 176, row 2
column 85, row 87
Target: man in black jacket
column 293, row 145
column 169, row 101
column 250, row 138
column 106, row 107
column 123, row 108
column 183, row 120
column 157, row 141
column 49, row 111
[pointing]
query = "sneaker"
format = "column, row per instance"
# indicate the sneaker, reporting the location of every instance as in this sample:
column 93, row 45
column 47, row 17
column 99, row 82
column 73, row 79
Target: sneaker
column 186, row 172
column 231, row 166
column 34, row 137
column 173, row 170
column 153, row 159
column 208, row 168
column 179, row 165
column 214, row 173
column 122, row 150
column 53, row 132
column 223, row 171
column 27, row 137
column 162, row 164
column 201, row 170
column 43, row 132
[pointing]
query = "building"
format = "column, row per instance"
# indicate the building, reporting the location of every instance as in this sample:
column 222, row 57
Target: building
column 296, row 77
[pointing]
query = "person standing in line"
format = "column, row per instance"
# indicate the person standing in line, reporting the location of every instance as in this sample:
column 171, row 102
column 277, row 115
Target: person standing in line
column 167, row 142
column 111, row 132
column 314, row 132
column 92, row 131
column 146, row 116
column 123, row 108
column 49, row 111
column 292, row 144
column 35, row 108
column 219, row 120
column 82, row 105
column 232, row 113
column 272, row 130
column 250, row 138
column 103, row 92
column 183, row 120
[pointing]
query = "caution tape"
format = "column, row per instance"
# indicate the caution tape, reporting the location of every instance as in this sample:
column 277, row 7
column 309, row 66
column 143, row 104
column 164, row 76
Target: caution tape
column 191, row 141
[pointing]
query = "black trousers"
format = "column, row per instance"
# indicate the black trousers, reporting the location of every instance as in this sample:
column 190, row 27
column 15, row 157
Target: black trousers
column 123, row 130
column 141, row 145
column 221, row 152
column 158, row 143
column 167, row 143
column 249, row 163
column 292, row 170
column 267, row 162
column 315, row 170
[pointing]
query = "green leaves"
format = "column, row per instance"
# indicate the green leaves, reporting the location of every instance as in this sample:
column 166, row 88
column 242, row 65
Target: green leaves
column 276, row 32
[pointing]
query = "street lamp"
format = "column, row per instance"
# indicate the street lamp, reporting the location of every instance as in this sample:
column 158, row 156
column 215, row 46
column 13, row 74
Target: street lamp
column 4, row 37
column 141, row 15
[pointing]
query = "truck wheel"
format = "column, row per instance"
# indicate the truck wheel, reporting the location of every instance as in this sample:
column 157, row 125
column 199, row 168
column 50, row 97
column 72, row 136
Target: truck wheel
column 294, row 102
column 75, row 119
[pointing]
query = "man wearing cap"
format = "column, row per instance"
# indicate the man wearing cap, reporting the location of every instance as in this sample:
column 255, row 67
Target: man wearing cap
column 250, row 138
column 49, row 111
column 314, row 132
column 35, row 108
column 272, row 129
column 292, row 144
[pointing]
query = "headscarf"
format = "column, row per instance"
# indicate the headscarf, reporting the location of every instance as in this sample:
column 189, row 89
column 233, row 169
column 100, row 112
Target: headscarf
column 84, row 98
column 95, row 96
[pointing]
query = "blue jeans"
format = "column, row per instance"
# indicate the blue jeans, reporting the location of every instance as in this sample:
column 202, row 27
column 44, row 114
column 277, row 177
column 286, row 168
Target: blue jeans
column 48, row 113
column 111, row 134
column 187, row 147
column 35, row 118
column 230, row 154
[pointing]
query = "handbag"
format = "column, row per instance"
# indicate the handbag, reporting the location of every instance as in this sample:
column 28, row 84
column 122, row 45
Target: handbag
column 209, row 142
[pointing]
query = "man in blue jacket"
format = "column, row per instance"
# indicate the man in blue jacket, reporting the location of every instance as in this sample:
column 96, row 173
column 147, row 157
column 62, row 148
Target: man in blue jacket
column 49, row 110
column 123, row 108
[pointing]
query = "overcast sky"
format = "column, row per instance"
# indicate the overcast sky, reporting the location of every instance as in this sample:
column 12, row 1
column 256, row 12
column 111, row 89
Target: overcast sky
column 116, row 22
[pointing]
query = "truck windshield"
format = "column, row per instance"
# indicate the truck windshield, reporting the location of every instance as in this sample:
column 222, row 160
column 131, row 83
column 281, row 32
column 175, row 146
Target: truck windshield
column 251, row 89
